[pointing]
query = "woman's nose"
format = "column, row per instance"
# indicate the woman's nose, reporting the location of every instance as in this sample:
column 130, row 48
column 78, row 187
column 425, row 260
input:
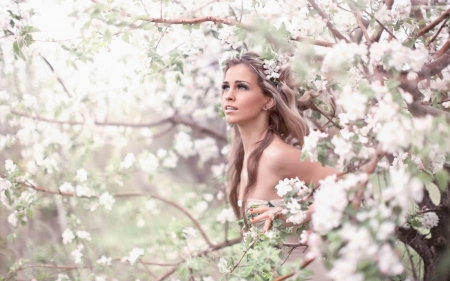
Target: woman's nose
column 229, row 96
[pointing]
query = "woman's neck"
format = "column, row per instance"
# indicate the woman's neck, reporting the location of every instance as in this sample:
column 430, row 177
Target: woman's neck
column 251, row 135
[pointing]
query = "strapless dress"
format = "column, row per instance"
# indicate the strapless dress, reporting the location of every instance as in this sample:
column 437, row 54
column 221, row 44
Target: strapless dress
column 291, row 248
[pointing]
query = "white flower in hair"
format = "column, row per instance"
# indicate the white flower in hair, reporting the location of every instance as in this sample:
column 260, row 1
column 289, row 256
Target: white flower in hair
column 271, row 69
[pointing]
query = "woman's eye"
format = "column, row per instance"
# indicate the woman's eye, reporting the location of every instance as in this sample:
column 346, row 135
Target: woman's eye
column 242, row 87
column 225, row 87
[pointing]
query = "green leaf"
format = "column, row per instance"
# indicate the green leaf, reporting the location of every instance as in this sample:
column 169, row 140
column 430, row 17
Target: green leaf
column 30, row 213
column 125, row 37
column 107, row 36
column 392, row 84
column 442, row 179
column 17, row 51
column 31, row 29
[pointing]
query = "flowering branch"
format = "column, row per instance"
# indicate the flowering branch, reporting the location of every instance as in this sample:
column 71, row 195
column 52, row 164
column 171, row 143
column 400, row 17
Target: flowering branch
column 174, row 119
column 216, row 247
column 336, row 33
column 130, row 194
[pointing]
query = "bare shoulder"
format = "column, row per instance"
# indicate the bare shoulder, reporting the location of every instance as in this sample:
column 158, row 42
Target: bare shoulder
column 279, row 154
column 284, row 160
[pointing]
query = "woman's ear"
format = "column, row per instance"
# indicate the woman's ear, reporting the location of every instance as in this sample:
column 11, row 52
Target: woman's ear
column 270, row 103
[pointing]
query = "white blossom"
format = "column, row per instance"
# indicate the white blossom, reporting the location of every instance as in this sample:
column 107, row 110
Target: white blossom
column 77, row 254
column 68, row 236
column 388, row 262
column 170, row 161
column 310, row 144
column 353, row 103
column 4, row 184
column 149, row 164
column 304, row 236
column 67, row 188
column 271, row 69
column 62, row 277
column 83, row 191
column 82, row 175
column 206, row 148
column 134, row 255
column 10, row 166
column 12, row 219
column 283, row 187
column 297, row 218
column 84, row 235
column 228, row 35
column 104, row 260
column 385, row 230
column 128, row 161
column 183, row 145
column 429, row 220
column 226, row 215
column 189, row 232
column 152, row 207
column 106, row 200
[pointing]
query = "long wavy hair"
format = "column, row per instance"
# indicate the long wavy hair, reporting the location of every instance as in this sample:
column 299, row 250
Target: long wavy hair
column 284, row 121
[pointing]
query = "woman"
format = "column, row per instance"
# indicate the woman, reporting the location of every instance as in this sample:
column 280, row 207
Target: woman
column 259, row 99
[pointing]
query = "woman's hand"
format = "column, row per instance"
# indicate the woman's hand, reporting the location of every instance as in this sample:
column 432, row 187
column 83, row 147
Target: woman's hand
column 269, row 214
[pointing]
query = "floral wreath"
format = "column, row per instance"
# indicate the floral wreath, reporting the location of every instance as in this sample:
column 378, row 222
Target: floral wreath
column 271, row 70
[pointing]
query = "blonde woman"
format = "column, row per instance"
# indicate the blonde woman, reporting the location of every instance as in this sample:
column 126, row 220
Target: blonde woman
column 260, row 101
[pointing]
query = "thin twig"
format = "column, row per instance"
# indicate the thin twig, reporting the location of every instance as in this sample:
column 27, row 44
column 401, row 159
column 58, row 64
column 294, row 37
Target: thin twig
column 413, row 268
column 245, row 252
column 437, row 33
column 162, row 35
column 57, row 76
column 382, row 26
column 145, row 8
column 131, row 194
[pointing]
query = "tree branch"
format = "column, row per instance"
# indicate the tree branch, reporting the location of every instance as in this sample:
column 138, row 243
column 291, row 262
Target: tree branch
column 363, row 28
column 175, row 119
column 415, row 10
column 313, row 41
column 193, row 20
column 429, row 27
column 436, row 66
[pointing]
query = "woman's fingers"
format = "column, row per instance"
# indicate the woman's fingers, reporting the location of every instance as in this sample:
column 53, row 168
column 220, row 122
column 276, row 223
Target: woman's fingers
column 260, row 217
column 267, row 225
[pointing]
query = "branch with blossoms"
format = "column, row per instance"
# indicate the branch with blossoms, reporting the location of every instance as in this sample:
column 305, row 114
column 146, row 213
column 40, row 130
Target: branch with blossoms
column 174, row 120
column 210, row 249
column 124, row 195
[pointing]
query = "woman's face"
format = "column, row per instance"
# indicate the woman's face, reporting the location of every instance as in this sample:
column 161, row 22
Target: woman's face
column 242, row 98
